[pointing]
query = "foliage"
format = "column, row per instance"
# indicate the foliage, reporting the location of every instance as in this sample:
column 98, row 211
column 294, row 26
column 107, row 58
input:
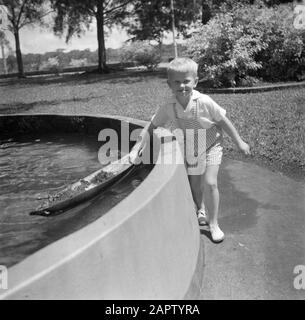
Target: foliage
column 3, row 39
column 24, row 12
column 4, row 43
column 225, row 50
column 74, row 16
column 78, row 62
column 249, row 41
column 142, row 53
column 283, row 57
column 152, row 18
column 36, row 61
column 20, row 14
column 52, row 64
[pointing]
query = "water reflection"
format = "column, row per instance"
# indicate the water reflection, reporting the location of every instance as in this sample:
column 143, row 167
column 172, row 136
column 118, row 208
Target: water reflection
column 33, row 166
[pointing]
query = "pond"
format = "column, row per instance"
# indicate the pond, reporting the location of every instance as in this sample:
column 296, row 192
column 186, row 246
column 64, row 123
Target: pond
column 33, row 166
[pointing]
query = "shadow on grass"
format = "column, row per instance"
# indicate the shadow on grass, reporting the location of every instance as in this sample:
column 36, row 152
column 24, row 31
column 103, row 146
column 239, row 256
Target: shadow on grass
column 9, row 108
column 18, row 107
column 127, row 76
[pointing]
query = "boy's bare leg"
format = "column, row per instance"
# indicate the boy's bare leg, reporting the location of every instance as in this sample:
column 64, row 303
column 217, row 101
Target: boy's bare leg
column 211, row 193
column 211, row 200
column 197, row 192
column 196, row 188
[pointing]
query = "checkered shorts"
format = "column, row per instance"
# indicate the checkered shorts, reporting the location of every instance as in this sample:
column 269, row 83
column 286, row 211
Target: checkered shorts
column 203, row 148
column 211, row 158
column 214, row 155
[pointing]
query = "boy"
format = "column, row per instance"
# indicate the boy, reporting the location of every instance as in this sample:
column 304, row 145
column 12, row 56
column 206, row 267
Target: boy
column 189, row 109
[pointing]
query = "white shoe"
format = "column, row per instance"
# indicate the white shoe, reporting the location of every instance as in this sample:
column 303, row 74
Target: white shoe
column 202, row 217
column 216, row 233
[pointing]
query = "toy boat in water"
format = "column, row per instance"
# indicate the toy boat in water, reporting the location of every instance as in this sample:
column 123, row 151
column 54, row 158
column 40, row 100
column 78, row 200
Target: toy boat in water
column 85, row 189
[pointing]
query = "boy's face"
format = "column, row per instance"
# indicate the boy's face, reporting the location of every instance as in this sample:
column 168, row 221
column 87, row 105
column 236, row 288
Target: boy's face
column 182, row 83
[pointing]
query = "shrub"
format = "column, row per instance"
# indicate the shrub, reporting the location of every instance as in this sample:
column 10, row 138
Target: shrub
column 53, row 65
column 78, row 62
column 249, row 41
column 283, row 54
column 225, row 51
column 142, row 53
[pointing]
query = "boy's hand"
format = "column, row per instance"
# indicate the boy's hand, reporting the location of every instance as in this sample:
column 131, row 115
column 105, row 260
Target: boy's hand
column 134, row 155
column 244, row 147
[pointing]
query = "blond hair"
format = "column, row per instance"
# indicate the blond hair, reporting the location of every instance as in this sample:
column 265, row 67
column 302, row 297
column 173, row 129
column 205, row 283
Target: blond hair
column 182, row 64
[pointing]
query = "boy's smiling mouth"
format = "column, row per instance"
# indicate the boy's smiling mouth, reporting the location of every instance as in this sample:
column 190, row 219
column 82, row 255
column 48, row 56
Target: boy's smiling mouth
column 184, row 92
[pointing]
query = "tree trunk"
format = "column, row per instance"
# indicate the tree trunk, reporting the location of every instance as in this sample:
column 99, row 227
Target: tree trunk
column 206, row 11
column 160, row 44
column 3, row 58
column 174, row 29
column 102, row 68
column 19, row 55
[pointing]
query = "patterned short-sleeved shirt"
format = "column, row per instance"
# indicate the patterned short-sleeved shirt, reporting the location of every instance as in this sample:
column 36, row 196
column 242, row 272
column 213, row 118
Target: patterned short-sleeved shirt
column 208, row 111
column 203, row 143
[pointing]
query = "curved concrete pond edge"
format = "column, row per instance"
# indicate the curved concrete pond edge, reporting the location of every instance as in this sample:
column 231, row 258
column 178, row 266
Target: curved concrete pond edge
column 146, row 247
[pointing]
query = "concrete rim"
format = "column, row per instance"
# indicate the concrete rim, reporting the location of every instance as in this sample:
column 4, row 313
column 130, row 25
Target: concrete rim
column 30, row 275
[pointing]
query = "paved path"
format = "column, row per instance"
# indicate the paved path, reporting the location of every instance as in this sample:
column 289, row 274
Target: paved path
column 263, row 216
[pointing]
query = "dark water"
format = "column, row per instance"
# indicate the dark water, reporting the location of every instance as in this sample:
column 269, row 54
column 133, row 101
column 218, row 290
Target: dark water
column 29, row 169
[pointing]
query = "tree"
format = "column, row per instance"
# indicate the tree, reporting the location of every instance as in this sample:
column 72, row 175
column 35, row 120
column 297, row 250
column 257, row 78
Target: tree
column 74, row 16
column 153, row 18
column 3, row 43
column 20, row 14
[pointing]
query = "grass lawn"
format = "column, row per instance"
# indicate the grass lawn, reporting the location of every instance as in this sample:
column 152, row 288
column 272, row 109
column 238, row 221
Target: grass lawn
column 272, row 123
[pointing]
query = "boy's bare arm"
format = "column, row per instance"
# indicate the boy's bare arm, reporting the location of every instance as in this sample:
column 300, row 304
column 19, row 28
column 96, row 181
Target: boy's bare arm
column 229, row 128
column 144, row 136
